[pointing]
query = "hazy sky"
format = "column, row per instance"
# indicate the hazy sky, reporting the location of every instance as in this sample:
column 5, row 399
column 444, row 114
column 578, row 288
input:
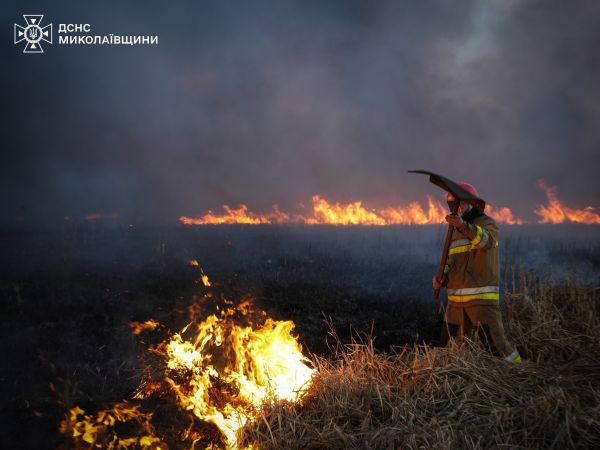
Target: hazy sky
column 268, row 102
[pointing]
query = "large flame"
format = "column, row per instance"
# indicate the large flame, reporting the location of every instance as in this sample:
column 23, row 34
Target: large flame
column 558, row 212
column 223, row 371
column 221, row 367
column 353, row 213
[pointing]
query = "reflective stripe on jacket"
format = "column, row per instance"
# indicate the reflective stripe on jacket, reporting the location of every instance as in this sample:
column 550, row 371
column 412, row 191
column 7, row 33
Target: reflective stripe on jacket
column 473, row 263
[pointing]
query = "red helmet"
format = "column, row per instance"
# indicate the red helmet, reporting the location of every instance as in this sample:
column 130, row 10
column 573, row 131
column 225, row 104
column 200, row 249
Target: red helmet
column 467, row 187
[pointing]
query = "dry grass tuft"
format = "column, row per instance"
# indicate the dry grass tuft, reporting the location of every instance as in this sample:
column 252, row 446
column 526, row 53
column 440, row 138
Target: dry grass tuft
column 459, row 397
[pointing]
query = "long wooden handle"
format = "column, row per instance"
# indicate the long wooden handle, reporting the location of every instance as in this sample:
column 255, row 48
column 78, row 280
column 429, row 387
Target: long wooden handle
column 445, row 251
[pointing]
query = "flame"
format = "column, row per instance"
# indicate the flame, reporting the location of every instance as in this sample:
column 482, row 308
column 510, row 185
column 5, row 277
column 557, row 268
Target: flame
column 240, row 215
column 353, row 213
column 557, row 212
column 224, row 370
column 502, row 215
column 203, row 276
column 98, row 431
column 414, row 214
column 139, row 327
column 337, row 214
column 219, row 368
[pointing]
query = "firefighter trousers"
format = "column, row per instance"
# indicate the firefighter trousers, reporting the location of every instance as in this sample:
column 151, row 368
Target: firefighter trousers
column 464, row 320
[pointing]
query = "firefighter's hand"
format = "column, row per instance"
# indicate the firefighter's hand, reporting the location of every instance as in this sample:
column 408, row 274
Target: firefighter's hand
column 435, row 283
column 455, row 220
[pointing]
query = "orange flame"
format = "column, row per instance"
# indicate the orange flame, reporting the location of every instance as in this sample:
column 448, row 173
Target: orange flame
column 502, row 215
column 203, row 277
column 414, row 214
column 98, row 431
column 139, row 327
column 557, row 212
column 240, row 215
column 337, row 214
column 262, row 361
column 221, row 367
column 354, row 213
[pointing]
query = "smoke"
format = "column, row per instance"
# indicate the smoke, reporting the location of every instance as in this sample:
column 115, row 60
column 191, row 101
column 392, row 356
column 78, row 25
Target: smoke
column 268, row 102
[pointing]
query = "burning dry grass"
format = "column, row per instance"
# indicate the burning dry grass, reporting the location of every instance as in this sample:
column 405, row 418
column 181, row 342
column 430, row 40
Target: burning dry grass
column 458, row 397
column 432, row 398
column 354, row 213
column 415, row 397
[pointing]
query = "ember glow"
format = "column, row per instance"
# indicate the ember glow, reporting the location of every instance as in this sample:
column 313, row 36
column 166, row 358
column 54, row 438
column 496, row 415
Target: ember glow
column 558, row 212
column 100, row 216
column 220, row 368
column 354, row 213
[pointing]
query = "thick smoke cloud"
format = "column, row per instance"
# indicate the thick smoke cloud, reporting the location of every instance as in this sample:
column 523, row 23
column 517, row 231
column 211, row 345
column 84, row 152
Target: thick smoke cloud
column 268, row 102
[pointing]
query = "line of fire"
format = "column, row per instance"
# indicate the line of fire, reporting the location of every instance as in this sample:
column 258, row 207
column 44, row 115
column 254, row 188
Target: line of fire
column 326, row 213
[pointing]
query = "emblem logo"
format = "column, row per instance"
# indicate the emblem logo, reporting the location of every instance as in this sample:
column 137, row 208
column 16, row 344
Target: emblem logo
column 33, row 33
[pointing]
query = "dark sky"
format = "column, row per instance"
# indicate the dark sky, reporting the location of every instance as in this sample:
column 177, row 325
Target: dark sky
column 268, row 102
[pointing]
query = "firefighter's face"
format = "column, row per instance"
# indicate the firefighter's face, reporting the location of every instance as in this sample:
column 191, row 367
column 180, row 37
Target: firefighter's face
column 463, row 208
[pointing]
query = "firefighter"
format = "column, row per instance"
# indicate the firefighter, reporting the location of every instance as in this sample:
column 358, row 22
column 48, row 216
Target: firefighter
column 471, row 278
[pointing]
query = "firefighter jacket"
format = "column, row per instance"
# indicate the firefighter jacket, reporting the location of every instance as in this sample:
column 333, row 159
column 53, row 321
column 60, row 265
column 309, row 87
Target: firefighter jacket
column 473, row 268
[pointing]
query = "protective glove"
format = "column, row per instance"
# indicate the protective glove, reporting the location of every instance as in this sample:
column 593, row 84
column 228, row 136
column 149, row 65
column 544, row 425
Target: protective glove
column 436, row 284
column 455, row 220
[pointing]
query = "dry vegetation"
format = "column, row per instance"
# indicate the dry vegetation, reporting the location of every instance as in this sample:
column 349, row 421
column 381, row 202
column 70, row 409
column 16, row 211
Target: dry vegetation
column 459, row 397
column 69, row 299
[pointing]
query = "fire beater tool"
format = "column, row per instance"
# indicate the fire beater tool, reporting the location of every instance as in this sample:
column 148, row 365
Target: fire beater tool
column 460, row 195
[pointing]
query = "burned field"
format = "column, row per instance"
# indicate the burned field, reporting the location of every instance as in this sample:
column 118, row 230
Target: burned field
column 72, row 298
